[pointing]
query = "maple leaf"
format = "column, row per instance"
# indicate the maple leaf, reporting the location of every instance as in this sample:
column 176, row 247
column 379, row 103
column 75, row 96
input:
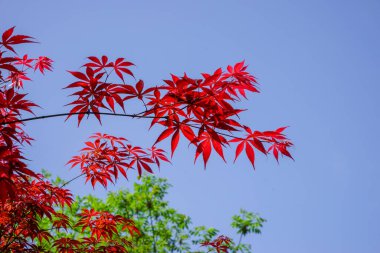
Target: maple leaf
column 14, row 102
column 8, row 39
column 66, row 245
column 25, row 61
column 136, row 92
column 43, row 63
column 158, row 154
column 17, row 78
column 98, row 64
column 120, row 67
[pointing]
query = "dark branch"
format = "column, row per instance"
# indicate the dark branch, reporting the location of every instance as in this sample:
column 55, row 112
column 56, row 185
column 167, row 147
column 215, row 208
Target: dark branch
column 78, row 113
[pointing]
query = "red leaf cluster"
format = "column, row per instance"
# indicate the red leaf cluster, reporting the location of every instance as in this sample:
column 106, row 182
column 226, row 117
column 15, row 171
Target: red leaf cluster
column 26, row 197
column 104, row 235
column 202, row 110
column 31, row 200
column 13, row 72
column 105, row 156
column 104, row 224
column 96, row 92
column 220, row 244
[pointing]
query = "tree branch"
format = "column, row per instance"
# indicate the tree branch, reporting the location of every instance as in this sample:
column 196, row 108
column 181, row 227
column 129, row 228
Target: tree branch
column 79, row 113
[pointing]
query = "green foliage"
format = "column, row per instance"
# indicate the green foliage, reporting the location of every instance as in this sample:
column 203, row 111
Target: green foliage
column 246, row 223
column 162, row 228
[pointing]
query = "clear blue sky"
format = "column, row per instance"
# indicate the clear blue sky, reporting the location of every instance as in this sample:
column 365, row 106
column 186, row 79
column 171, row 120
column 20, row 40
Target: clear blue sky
column 318, row 65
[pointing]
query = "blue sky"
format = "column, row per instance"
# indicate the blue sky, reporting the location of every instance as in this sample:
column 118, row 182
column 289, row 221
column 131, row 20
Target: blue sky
column 318, row 66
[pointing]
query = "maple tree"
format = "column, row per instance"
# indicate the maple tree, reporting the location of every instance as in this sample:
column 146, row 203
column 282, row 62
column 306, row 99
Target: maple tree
column 201, row 110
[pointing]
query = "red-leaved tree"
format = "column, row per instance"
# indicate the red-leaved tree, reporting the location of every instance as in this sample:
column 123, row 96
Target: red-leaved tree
column 201, row 111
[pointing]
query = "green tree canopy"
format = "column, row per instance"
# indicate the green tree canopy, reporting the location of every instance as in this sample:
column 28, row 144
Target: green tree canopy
column 162, row 228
